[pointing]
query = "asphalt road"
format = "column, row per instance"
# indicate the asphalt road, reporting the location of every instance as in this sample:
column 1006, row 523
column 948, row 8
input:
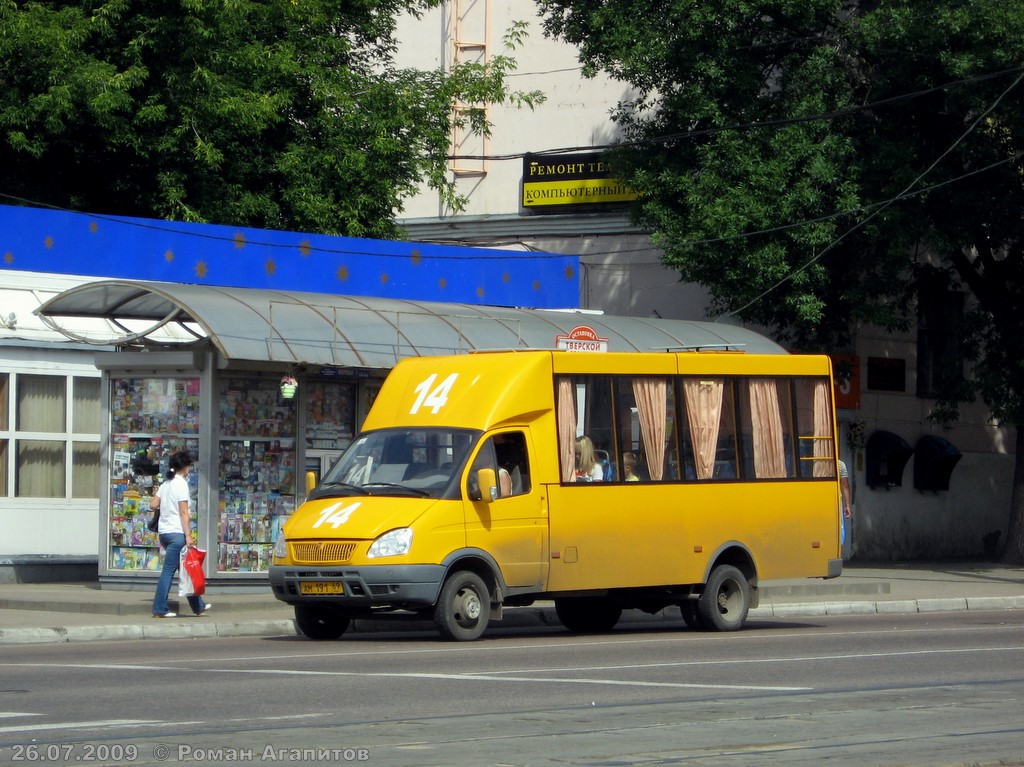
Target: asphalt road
column 936, row 689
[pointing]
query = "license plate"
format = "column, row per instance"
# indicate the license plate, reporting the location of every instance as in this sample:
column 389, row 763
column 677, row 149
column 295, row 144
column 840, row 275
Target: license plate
column 322, row 587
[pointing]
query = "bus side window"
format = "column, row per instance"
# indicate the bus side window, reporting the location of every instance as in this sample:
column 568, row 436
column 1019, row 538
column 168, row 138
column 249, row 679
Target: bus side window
column 709, row 438
column 513, row 462
column 506, row 454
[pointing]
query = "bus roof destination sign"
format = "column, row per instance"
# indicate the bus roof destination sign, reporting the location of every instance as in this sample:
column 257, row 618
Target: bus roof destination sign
column 581, row 338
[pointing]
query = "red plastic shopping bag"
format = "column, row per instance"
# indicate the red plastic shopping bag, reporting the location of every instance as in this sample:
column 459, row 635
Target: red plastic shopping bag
column 191, row 578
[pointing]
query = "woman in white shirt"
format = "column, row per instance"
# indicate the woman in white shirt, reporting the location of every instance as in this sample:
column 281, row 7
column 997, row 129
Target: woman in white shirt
column 588, row 468
column 172, row 500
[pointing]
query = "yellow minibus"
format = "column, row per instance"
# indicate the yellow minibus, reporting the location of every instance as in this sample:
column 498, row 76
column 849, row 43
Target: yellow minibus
column 599, row 481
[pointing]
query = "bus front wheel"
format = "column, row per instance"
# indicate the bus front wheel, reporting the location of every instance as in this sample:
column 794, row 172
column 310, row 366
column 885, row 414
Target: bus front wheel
column 586, row 615
column 463, row 609
column 724, row 604
column 319, row 622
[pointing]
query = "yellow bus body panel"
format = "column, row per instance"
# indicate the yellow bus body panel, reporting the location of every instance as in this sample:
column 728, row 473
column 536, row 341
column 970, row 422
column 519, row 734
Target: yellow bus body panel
column 563, row 538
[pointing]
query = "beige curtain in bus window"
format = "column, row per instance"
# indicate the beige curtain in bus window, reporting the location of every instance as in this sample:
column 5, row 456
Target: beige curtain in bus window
column 567, row 428
column 823, row 466
column 651, row 395
column 704, row 411
column 769, row 448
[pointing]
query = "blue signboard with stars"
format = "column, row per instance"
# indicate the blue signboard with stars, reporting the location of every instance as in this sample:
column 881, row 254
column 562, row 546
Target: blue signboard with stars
column 93, row 245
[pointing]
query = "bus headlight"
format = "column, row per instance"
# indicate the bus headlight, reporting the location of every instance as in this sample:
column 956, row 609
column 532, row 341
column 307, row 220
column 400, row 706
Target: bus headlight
column 391, row 544
column 280, row 547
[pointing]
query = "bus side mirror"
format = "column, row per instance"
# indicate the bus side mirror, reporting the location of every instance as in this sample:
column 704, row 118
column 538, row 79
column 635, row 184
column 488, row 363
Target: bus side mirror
column 310, row 481
column 487, row 481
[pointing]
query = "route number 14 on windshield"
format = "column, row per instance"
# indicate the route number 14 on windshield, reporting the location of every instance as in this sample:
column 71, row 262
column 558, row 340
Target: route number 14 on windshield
column 435, row 398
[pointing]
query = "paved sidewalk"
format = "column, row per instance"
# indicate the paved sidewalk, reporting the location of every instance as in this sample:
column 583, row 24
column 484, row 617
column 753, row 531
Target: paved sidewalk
column 68, row 612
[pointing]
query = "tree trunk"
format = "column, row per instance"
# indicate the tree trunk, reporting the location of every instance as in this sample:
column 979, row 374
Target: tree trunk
column 1013, row 551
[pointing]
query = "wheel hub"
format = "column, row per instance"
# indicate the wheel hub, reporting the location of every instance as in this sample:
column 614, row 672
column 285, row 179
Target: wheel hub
column 469, row 606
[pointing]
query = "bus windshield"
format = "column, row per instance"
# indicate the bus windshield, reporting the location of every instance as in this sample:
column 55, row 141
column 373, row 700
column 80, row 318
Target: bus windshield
column 401, row 461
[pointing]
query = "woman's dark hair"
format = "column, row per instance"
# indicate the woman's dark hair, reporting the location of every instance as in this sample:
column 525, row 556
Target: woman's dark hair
column 178, row 462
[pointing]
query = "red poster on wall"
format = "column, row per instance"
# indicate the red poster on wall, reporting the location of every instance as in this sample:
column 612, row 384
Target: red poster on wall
column 846, row 370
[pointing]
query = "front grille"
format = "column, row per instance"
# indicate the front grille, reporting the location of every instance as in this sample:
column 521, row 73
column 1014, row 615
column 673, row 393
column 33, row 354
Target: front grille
column 322, row 552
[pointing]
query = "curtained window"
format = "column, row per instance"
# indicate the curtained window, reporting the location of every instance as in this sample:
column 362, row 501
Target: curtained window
column 40, row 463
column 3, row 468
column 767, row 434
column 41, row 405
column 824, row 463
column 55, row 437
column 5, row 382
column 814, row 424
column 85, row 406
column 703, row 400
column 85, row 470
column 40, row 469
column 651, row 396
column 566, row 417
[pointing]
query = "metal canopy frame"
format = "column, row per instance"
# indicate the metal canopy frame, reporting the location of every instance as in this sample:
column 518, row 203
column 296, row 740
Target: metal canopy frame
column 349, row 331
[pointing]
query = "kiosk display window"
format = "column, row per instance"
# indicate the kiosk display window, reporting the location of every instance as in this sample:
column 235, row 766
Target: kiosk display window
column 330, row 415
column 257, row 454
column 150, row 418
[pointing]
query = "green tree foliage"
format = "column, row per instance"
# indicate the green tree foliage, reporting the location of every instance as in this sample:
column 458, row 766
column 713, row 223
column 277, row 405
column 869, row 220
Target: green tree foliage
column 285, row 114
column 814, row 163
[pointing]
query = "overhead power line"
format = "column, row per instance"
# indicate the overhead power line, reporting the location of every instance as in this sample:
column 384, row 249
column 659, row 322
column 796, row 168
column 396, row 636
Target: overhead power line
column 780, row 122
column 905, row 193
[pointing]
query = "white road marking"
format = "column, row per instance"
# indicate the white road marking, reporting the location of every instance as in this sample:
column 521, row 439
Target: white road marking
column 492, row 678
column 560, row 643
column 759, row 661
column 531, row 674
column 79, row 725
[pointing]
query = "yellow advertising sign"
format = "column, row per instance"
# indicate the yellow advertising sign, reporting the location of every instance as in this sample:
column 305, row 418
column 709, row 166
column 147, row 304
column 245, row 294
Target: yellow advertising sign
column 576, row 179
column 581, row 191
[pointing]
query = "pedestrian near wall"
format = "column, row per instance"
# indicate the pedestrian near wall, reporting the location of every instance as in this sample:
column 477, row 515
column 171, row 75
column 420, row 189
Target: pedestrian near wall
column 845, row 501
column 172, row 499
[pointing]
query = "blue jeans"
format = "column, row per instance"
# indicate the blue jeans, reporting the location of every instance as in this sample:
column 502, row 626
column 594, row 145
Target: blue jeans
column 173, row 543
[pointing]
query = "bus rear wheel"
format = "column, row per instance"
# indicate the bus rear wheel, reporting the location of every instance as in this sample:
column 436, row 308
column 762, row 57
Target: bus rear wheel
column 319, row 622
column 582, row 615
column 724, row 604
column 463, row 609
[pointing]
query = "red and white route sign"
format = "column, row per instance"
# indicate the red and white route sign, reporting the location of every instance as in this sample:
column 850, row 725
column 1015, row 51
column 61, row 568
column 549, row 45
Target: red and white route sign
column 581, row 338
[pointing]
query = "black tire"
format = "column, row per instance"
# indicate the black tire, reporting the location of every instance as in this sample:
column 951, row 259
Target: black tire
column 319, row 622
column 724, row 604
column 691, row 615
column 464, row 607
column 587, row 615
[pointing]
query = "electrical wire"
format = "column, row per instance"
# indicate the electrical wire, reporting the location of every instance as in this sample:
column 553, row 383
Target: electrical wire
column 304, row 245
column 781, row 227
column 773, row 123
column 781, row 122
column 901, row 195
column 531, row 250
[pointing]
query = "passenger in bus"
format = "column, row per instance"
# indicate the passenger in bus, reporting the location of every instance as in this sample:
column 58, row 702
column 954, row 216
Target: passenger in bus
column 588, row 468
column 504, row 483
column 629, row 467
column 512, row 465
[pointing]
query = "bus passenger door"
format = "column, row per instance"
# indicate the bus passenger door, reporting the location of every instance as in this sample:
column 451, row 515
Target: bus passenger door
column 513, row 528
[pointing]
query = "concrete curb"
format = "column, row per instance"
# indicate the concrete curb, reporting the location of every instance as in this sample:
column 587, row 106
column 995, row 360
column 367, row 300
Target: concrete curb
column 32, row 636
column 134, row 632
column 889, row 607
column 520, row 617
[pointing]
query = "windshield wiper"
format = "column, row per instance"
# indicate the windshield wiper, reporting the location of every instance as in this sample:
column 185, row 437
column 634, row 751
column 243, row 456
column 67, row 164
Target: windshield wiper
column 343, row 485
column 394, row 486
